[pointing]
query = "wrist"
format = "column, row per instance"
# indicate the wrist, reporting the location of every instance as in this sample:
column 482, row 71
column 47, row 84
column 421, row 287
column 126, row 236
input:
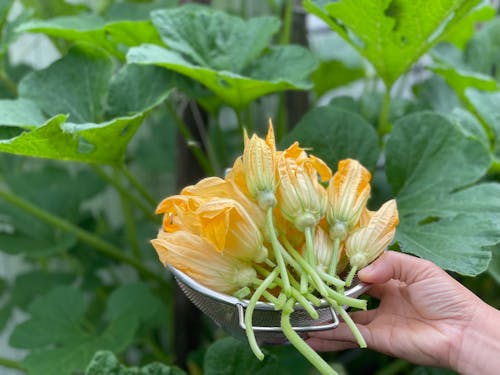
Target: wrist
column 479, row 350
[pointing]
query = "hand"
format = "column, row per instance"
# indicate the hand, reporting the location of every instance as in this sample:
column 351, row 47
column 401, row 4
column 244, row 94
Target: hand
column 424, row 316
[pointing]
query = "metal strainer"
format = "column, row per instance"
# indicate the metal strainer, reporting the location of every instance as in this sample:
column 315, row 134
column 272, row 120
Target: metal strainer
column 228, row 312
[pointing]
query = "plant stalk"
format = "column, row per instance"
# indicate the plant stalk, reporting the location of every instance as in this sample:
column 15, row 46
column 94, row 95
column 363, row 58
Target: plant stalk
column 83, row 235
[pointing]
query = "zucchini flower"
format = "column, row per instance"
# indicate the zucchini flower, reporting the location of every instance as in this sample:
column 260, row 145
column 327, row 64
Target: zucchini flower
column 198, row 259
column 179, row 213
column 215, row 187
column 348, row 192
column 301, row 198
column 367, row 243
column 259, row 166
column 226, row 224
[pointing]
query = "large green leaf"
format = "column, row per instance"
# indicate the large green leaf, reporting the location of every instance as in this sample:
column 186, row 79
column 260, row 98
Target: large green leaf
column 106, row 363
column 134, row 11
column 51, row 8
column 230, row 356
column 494, row 268
column 96, row 31
column 89, row 143
column 334, row 134
column 56, row 330
column 214, row 39
column 483, row 51
column 461, row 32
column 391, row 34
column 136, row 300
column 430, row 164
column 20, row 113
column 226, row 54
column 234, row 89
column 485, row 105
column 136, row 88
column 75, row 85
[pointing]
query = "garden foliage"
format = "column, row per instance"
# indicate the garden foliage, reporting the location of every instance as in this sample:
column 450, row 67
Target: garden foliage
column 88, row 144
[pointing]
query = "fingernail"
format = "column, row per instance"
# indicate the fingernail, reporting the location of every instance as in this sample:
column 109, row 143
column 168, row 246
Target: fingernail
column 367, row 270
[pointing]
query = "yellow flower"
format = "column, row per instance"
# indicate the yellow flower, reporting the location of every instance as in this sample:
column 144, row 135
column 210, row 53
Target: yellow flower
column 301, row 198
column 259, row 168
column 226, row 224
column 198, row 259
column 348, row 192
column 367, row 243
column 179, row 213
column 215, row 187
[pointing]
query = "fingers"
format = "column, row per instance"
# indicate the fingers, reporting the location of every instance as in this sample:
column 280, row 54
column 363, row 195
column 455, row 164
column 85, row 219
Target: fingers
column 321, row 345
column 398, row 266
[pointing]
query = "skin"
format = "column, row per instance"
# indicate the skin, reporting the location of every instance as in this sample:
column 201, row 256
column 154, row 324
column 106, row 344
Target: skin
column 424, row 316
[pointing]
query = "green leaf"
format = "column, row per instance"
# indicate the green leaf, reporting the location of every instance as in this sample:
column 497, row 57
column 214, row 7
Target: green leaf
column 51, row 8
column 331, row 74
column 135, row 11
column 234, row 89
column 19, row 243
column 56, row 330
column 437, row 95
column 106, row 363
column 75, row 85
column 392, row 35
column 485, row 105
column 55, row 320
column 214, row 39
column 136, row 300
column 334, row 134
column 482, row 53
column 429, row 161
column 226, row 54
column 137, row 88
column 20, row 112
column 73, row 358
column 457, row 73
column 89, row 143
column 461, row 32
column 132, row 33
column 230, row 356
column 469, row 124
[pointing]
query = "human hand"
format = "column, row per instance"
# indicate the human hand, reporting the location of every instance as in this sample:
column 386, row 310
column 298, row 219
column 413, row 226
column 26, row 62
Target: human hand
column 424, row 316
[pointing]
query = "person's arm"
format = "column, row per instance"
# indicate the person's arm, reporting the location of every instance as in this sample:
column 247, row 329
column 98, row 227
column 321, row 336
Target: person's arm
column 479, row 351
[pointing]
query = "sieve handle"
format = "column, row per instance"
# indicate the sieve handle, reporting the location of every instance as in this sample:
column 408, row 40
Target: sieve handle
column 319, row 327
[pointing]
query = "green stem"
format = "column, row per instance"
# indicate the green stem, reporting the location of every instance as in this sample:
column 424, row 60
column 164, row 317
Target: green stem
column 130, row 227
column 83, row 235
column 138, row 186
column 278, row 249
column 350, row 323
column 350, row 276
column 300, row 344
column 198, row 153
column 239, row 118
column 249, row 313
column 4, row 362
column 383, row 126
column 148, row 211
column 321, row 287
column 286, row 32
column 331, row 279
column 332, row 270
column 309, row 247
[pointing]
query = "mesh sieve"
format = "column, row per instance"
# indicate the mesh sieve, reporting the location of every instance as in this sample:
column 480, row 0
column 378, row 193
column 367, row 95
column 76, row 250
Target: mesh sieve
column 228, row 312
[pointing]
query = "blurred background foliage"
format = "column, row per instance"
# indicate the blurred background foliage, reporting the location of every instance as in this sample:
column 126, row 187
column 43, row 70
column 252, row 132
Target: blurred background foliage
column 108, row 106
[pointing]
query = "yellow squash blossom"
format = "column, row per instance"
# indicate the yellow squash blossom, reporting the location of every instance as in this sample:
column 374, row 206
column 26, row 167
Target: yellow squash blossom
column 367, row 243
column 198, row 259
column 227, row 225
column 179, row 213
column 300, row 196
column 215, row 187
column 259, row 167
column 348, row 192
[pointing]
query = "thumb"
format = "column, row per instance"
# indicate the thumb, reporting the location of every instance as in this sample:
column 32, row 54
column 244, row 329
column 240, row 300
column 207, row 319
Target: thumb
column 398, row 266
